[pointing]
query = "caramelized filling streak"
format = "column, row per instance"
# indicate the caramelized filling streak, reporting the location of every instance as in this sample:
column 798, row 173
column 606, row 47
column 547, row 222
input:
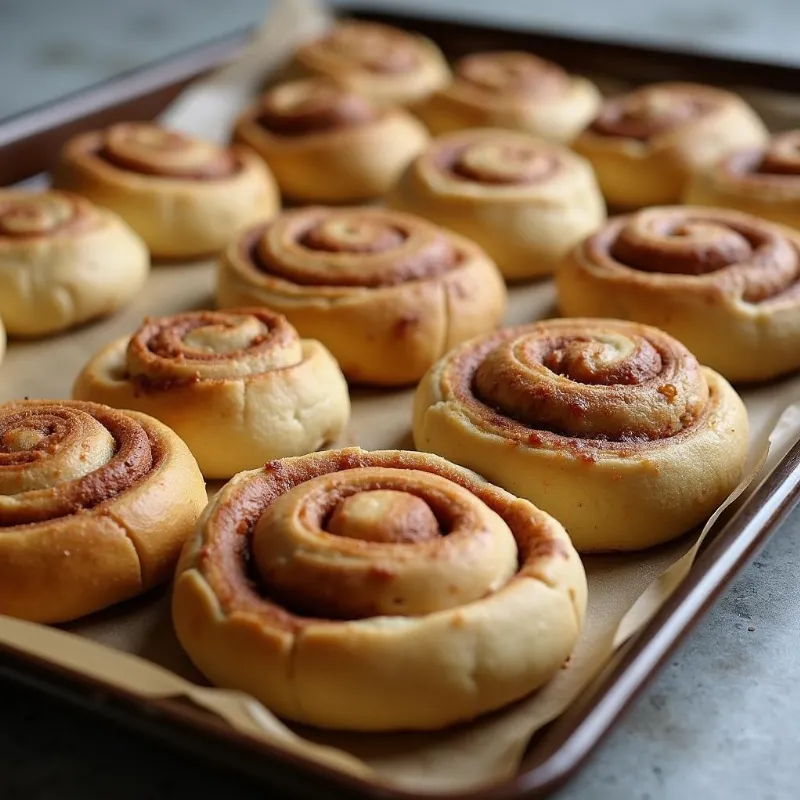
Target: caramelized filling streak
column 45, row 430
column 755, row 260
column 360, row 248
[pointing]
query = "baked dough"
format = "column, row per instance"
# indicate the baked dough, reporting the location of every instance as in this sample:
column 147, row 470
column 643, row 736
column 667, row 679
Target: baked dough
column 726, row 284
column 326, row 144
column 760, row 181
column 365, row 616
column 239, row 387
column 95, row 505
column 524, row 201
column 185, row 197
column 611, row 427
column 646, row 145
column 387, row 292
column 389, row 66
column 509, row 89
column 63, row 261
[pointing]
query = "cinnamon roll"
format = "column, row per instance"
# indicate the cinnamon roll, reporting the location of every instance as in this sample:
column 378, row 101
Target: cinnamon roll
column 389, row 66
column 377, row 591
column 509, row 89
column 185, row 197
column 525, row 202
column 95, row 505
column 388, row 293
column 239, row 387
column 764, row 182
column 646, row 145
column 726, row 284
column 611, row 427
column 324, row 143
column 63, row 261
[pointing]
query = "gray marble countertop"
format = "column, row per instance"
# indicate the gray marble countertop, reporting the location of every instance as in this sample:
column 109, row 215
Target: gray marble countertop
column 720, row 719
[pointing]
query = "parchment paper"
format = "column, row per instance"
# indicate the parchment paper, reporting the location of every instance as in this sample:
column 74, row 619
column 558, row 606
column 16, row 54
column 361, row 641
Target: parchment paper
column 133, row 646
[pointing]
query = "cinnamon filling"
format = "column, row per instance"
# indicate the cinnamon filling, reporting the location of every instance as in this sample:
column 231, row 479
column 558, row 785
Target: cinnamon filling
column 497, row 161
column 34, row 436
column 150, row 150
column 513, row 73
column 360, row 248
column 314, row 106
column 372, row 47
column 31, row 216
column 752, row 258
column 649, row 113
column 590, row 381
column 384, row 520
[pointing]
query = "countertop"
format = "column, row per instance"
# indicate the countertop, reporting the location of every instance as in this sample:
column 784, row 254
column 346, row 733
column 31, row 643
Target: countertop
column 720, row 719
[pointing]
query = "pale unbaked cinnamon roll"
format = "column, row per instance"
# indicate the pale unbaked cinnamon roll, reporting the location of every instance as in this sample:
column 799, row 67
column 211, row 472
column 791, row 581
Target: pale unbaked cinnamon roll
column 185, row 197
column 95, row 505
column 509, row 89
column 325, row 143
column 726, row 284
column 761, row 181
column 375, row 591
column 240, row 387
column 63, row 261
column 524, row 201
column 646, row 145
column 388, row 293
column 610, row 426
column 389, row 66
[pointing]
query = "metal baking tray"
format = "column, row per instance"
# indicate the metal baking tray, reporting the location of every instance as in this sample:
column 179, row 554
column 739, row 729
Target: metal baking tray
column 29, row 141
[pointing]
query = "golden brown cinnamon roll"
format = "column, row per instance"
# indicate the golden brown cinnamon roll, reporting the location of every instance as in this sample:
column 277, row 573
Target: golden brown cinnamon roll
column 380, row 590
column 645, row 145
column 389, row 66
column 726, row 284
column 183, row 196
column 63, row 261
column 95, row 505
column 2, row 340
column 239, row 387
column 324, row 143
column 764, row 182
column 388, row 293
column 512, row 90
column 524, row 201
column 611, row 427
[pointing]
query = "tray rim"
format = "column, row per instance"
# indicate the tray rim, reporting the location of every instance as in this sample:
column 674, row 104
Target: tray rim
column 177, row 722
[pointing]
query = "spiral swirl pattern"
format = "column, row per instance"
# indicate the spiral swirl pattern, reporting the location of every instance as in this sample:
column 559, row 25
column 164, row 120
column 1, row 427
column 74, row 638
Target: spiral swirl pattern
column 150, row 150
column 499, row 159
column 348, row 542
column 525, row 201
column 597, row 421
column 240, row 387
column 371, row 47
column 609, row 384
column 312, row 106
column 351, row 247
column 655, row 110
column 387, row 292
column 102, row 450
column 512, row 73
column 25, row 216
column 211, row 345
column 75, row 477
column 720, row 252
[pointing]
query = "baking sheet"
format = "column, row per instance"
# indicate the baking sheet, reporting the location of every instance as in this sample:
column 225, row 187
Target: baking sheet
column 624, row 591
